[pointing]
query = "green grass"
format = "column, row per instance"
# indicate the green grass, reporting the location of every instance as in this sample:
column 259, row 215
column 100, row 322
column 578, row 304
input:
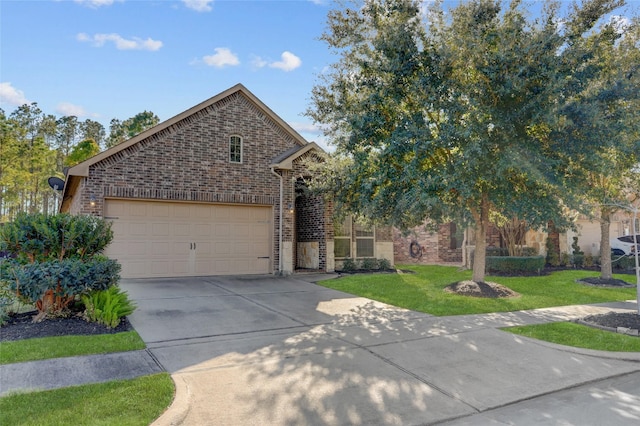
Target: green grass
column 64, row 346
column 580, row 336
column 122, row 403
column 423, row 290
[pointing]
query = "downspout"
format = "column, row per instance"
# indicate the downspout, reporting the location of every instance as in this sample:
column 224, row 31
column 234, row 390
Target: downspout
column 280, row 226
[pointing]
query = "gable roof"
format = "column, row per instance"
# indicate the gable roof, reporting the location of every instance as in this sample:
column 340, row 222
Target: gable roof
column 80, row 170
column 285, row 160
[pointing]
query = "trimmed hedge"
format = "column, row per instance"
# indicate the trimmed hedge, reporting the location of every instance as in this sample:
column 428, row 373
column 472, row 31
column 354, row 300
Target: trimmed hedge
column 503, row 251
column 625, row 262
column 514, row 264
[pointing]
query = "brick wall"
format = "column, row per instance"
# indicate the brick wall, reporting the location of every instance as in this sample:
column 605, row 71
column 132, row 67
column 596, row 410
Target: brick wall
column 189, row 161
column 313, row 215
column 433, row 246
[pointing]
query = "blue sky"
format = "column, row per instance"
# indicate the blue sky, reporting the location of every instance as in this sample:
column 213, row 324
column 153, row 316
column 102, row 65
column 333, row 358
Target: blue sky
column 104, row 59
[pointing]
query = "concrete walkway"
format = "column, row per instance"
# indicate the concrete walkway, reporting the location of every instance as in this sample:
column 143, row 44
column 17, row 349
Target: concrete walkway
column 276, row 351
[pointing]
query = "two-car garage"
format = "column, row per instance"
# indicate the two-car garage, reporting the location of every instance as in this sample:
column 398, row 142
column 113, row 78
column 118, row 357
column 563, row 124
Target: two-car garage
column 166, row 239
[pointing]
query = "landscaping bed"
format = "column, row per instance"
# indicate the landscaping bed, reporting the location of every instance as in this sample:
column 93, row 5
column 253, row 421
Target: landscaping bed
column 21, row 326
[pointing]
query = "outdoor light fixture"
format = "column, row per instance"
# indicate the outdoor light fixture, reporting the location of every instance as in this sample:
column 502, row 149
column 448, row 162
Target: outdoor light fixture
column 92, row 201
column 290, row 208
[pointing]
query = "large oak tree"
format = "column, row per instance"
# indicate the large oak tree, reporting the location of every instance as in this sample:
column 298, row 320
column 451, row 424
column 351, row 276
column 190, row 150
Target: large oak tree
column 448, row 113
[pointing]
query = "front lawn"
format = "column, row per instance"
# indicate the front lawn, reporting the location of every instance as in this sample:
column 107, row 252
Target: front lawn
column 135, row 402
column 64, row 346
column 579, row 336
column 423, row 290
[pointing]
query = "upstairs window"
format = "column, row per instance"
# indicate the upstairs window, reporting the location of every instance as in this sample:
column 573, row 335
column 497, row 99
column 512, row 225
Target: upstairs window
column 235, row 149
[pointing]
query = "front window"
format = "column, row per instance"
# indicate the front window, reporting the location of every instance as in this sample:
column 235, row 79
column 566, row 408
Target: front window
column 235, row 149
column 342, row 238
column 364, row 241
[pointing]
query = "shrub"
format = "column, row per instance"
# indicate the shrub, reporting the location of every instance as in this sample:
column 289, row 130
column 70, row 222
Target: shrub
column 577, row 260
column 497, row 251
column 40, row 238
column 369, row 263
column 565, row 259
column 8, row 300
column 349, row 265
column 529, row 251
column 553, row 257
column 576, row 247
column 384, row 264
column 588, row 260
column 107, row 306
column 624, row 262
column 51, row 286
column 515, row 264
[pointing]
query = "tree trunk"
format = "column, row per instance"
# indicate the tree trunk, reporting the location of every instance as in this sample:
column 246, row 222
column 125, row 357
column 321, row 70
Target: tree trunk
column 481, row 218
column 606, row 270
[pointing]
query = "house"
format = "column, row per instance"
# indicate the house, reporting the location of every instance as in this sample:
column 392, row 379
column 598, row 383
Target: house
column 214, row 190
column 444, row 245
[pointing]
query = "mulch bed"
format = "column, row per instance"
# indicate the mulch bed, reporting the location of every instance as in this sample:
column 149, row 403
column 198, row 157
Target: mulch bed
column 613, row 320
column 599, row 282
column 480, row 289
column 21, row 326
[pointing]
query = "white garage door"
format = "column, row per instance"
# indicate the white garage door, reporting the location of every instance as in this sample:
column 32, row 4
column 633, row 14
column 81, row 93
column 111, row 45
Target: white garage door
column 160, row 239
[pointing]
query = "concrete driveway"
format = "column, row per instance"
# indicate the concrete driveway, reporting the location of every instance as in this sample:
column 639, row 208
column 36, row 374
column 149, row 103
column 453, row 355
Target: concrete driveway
column 283, row 351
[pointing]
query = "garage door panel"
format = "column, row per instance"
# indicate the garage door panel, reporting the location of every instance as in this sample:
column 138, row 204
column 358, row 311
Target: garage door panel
column 157, row 239
column 222, row 231
column 136, row 210
column 160, row 268
column 203, row 230
column 182, row 230
column 240, row 231
column 204, row 249
column 137, row 229
column 181, row 211
column 158, row 210
column 160, row 229
column 161, row 248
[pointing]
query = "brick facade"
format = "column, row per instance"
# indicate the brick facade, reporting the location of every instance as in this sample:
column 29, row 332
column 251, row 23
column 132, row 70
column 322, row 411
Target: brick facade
column 423, row 245
column 188, row 160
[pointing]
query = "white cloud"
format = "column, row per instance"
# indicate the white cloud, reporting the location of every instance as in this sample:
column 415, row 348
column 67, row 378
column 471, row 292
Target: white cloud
column 221, row 58
column 120, row 42
column 289, row 62
column 11, row 96
column 620, row 23
column 258, row 62
column 307, row 128
column 198, row 5
column 66, row 108
column 96, row 3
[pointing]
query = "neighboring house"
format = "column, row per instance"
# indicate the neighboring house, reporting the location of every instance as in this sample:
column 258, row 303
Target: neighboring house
column 214, row 190
column 588, row 231
column 424, row 246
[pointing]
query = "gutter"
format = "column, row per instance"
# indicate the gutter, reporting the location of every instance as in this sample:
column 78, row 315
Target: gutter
column 280, row 226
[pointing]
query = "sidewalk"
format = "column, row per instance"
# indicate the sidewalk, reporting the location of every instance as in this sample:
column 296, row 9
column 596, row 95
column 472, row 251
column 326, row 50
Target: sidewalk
column 78, row 370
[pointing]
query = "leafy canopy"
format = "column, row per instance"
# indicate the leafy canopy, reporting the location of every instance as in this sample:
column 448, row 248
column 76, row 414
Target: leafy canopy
column 440, row 114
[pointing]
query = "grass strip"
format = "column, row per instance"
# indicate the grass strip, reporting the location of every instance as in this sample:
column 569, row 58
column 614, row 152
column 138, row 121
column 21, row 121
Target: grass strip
column 579, row 336
column 422, row 290
column 134, row 402
column 64, row 346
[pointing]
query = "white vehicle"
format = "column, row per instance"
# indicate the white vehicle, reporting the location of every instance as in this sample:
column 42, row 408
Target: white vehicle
column 625, row 245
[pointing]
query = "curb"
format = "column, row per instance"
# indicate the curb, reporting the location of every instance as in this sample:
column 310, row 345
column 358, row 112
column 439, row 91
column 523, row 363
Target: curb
column 179, row 408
